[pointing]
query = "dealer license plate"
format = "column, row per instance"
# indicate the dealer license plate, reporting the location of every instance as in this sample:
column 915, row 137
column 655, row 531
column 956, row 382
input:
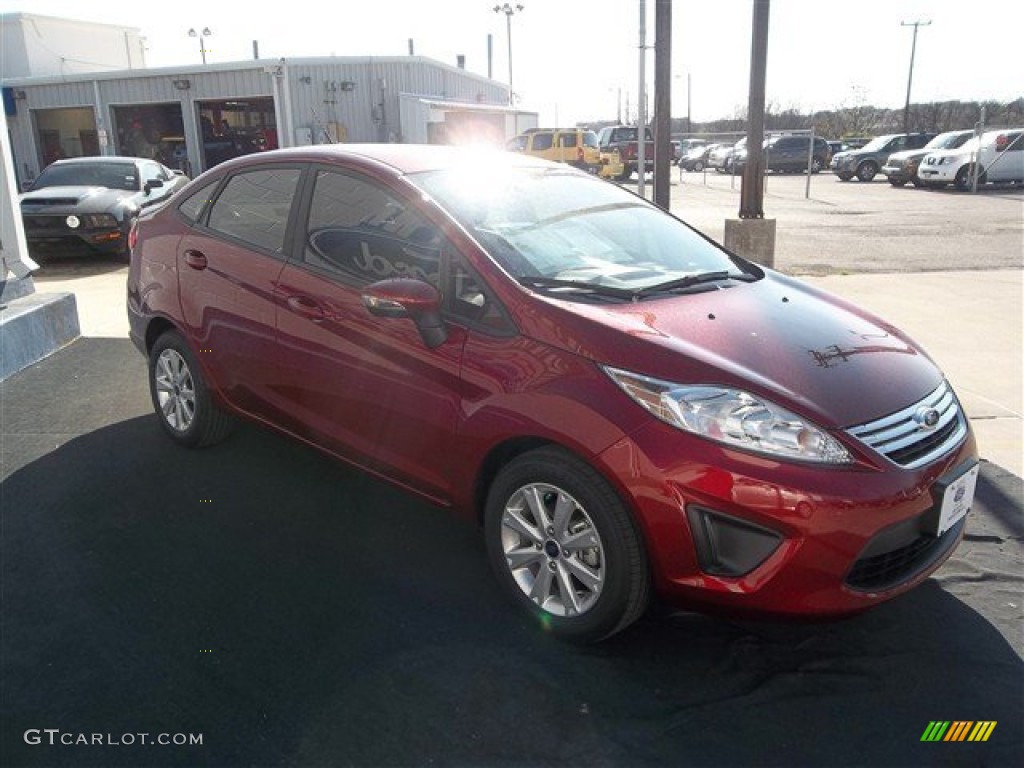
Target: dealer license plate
column 957, row 499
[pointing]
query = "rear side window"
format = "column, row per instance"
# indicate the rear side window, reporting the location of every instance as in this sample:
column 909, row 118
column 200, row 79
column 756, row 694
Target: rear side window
column 193, row 206
column 254, row 207
column 567, row 140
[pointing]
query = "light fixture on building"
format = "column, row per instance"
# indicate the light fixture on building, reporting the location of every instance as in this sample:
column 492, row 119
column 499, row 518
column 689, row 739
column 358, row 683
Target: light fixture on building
column 182, row 85
column 19, row 95
column 347, row 85
column 202, row 39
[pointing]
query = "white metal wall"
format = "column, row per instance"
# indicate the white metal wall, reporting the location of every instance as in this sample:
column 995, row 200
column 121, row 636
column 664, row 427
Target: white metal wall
column 354, row 99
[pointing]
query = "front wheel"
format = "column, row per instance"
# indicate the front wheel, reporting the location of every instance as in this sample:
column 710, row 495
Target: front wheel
column 844, row 176
column 963, row 179
column 564, row 546
column 181, row 398
column 867, row 171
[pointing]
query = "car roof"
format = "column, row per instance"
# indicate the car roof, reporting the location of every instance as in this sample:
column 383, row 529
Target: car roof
column 98, row 159
column 403, row 158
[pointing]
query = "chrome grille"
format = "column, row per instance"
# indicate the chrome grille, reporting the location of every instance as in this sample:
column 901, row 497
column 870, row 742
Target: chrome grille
column 906, row 439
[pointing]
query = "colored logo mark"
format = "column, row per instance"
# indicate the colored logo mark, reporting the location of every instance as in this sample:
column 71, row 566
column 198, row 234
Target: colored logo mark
column 958, row 730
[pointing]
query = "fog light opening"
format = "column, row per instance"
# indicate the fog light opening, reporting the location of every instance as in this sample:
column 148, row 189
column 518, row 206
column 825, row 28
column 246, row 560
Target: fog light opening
column 727, row 546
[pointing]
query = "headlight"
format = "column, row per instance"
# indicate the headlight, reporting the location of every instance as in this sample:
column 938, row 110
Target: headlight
column 98, row 221
column 945, row 161
column 733, row 417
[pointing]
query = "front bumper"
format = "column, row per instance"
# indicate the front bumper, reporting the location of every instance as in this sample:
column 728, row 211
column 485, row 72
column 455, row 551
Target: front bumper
column 746, row 532
column 51, row 233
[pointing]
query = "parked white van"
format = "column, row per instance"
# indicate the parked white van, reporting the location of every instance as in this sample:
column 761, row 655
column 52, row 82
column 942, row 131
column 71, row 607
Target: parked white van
column 999, row 155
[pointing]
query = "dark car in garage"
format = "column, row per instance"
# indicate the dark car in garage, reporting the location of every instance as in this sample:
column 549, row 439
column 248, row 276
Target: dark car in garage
column 88, row 204
column 622, row 406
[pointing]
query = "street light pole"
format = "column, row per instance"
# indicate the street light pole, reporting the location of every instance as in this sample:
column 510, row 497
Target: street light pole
column 202, row 40
column 509, row 12
column 910, row 77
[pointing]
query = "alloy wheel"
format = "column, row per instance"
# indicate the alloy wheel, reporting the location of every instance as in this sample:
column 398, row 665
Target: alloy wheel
column 552, row 549
column 175, row 390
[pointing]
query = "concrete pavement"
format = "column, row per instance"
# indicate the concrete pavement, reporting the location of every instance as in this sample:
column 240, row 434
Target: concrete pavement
column 968, row 321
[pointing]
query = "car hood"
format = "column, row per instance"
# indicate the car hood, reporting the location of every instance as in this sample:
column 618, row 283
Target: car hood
column 779, row 338
column 76, row 199
column 960, row 151
column 909, row 154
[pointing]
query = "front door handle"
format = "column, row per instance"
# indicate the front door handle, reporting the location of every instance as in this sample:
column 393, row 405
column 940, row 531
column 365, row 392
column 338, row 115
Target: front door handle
column 306, row 307
column 195, row 259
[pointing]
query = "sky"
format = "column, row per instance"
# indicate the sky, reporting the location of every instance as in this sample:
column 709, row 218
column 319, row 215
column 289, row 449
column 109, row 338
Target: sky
column 578, row 60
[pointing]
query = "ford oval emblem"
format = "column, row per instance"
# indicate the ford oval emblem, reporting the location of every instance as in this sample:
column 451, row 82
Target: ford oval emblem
column 926, row 418
column 959, row 495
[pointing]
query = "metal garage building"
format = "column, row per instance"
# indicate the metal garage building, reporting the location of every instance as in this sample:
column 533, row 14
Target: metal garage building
column 194, row 117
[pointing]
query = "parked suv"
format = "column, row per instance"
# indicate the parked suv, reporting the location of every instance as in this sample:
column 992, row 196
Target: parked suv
column 999, row 156
column 865, row 163
column 902, row 167
column 788, row 154
column 623, row 138
column 574, row 146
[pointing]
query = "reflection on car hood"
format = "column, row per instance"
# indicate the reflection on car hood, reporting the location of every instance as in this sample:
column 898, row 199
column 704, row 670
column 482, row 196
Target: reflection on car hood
column 76, row 199
column 777, row 337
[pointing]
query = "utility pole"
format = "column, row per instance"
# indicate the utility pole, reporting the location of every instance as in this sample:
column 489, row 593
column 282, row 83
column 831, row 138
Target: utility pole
column 662, row 101
column 641, row 109
column 910, row 77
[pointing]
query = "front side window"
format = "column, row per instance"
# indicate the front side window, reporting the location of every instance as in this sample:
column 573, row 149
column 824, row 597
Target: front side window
column 255, row 205
column 359, row 231
column 192, row 207
column 542, row 141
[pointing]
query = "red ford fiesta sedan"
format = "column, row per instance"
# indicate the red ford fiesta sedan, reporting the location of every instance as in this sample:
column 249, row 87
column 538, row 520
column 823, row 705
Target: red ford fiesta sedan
column 624, row 406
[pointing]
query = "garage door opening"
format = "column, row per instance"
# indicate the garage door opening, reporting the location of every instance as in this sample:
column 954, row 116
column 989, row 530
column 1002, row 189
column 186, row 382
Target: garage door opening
column 69, row 132
column 153, row 131
column 235, row 127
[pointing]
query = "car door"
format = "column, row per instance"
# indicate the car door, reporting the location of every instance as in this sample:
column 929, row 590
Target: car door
column 228, row 265
column 367, row 387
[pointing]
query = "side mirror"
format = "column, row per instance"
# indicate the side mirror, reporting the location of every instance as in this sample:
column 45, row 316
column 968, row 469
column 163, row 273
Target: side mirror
column 406, row 297
column 153, row 184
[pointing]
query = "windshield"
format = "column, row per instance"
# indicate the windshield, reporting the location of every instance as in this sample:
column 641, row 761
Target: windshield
column 110, row 175
column 948, row 141
column 876, row 144
column 545, row 224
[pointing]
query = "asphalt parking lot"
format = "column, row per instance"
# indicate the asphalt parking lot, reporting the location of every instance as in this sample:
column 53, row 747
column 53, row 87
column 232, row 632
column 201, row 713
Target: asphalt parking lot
column 291, row 611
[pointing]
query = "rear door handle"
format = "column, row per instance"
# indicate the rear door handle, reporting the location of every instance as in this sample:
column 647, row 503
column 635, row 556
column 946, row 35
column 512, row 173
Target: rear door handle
column 195, row 259
column 306, row 307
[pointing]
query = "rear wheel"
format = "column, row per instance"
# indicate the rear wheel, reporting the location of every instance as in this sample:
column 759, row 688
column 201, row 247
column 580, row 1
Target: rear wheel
column 180, row 396
column 698, row 166
column 817, row 165
column 564, row 547
column 844, row 176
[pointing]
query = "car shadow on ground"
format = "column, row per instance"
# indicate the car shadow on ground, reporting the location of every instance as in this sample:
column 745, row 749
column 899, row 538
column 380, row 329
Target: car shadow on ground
column 296, row 612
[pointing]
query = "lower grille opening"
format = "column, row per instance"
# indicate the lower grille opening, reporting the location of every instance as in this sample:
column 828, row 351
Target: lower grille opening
column 911, row 553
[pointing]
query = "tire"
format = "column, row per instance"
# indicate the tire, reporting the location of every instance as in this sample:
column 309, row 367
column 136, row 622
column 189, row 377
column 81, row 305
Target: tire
column 917, row 182
column 867, row 170
column 626, row 173
column 898, row 182
column 564, row 546
column 844, row 176
column 181, row 398
column 816, row 165
column 963, row 179
column 698, row 166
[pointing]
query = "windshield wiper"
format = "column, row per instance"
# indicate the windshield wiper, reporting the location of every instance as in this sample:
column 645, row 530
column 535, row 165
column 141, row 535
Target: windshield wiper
column 531, row 281
column 690, row 280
